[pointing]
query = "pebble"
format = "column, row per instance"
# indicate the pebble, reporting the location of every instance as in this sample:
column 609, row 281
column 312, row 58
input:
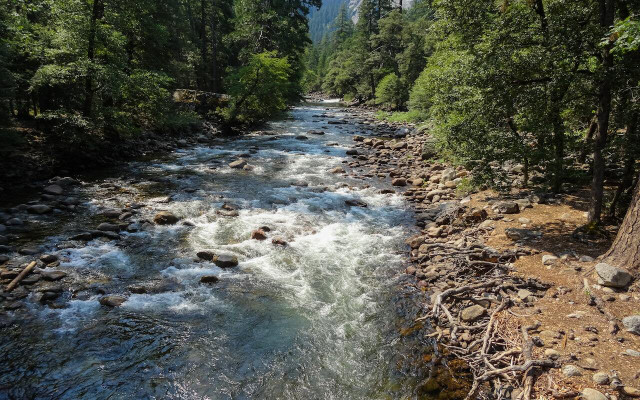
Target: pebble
column 472, row 313
column 592, row 394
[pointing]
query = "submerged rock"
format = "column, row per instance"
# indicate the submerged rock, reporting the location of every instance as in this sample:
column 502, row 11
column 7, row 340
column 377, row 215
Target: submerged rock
column 53, row 189
column 39, row 209
column 206, row 255
column 355, row 203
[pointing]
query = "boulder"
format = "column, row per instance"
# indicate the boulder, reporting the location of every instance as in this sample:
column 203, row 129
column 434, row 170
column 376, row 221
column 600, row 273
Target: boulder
column 592, row 394
column 238, row 164
column 472, row 313
column 611, row 276
column 258, row 234
column 54, row 275
column 48, row 258
column 447, row 175
column 507, row 207
column 209, row 279
column 112, row 300
column 632, row 324
column 206, row 255
column 337, row 170
column 355, row 203
column 399, row 182
column 107, row 227
column 548, row 259
column 352, row 152
column 571, row 370
column 165, row 218
column 226, row 261
column 39, row 209
column 53, row 189
column 279, row 242
column 601, row 378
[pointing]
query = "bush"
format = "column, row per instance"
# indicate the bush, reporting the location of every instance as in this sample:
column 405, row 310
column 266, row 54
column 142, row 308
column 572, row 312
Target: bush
column 258, row 90
column 391, row 92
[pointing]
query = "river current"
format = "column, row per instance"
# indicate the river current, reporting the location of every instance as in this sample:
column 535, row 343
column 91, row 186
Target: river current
column 313, row 320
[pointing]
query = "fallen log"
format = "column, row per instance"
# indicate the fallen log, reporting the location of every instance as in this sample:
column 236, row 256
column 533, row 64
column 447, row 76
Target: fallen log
column 21, row 276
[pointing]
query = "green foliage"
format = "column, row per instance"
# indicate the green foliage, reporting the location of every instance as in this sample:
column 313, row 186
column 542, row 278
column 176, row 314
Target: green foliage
column 627, row 35
column 391, row 92
column 259, row 89
column 413, row 116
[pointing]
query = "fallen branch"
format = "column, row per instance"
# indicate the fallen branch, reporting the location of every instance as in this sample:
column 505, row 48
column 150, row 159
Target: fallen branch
column 21, row 276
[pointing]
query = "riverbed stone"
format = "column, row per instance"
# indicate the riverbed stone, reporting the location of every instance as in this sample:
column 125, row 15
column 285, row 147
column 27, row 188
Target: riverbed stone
column 39, row 209
column 54, row 275
column 631, row 391
column 206, row 255
column 209, row 279
column 355, row 203
column 107, row 227
column 226, row 261
column 399, row 182
column 258, row 234
column 14, row 222
column 611, row 276
column 54, row 189
column 238, row 164
column 472, row 313
column 549, row 259
column 48, row 258
column 278, row 241
column 165, row 218
column 112, row 300
column 632, row 324
column 592, row 394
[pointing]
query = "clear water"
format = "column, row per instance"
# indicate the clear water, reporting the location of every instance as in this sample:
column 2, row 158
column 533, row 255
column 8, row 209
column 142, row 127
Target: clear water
column 313, row 320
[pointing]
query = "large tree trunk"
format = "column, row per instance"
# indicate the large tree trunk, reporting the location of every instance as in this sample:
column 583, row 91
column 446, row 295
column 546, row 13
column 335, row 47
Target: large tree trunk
column 607, row 14
column 625, row 250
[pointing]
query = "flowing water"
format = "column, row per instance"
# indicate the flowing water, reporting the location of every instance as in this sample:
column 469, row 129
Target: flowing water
column 313, row 320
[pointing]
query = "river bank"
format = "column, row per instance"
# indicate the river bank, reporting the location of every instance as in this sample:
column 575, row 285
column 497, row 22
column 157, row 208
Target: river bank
column 509, row 283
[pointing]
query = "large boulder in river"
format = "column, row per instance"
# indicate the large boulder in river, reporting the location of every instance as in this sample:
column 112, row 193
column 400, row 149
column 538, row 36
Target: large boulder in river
column 165, row 218
column 226, row 261
column 611, row 276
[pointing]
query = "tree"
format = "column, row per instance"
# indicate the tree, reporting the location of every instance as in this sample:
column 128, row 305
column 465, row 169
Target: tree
column 391, row 92
column 625, row 250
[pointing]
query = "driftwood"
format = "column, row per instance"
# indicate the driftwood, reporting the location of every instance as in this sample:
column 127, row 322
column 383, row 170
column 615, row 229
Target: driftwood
column 21, row 276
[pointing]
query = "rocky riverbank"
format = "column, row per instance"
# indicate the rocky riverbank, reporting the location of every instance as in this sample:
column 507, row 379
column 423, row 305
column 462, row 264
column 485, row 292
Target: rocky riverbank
column 509, row 291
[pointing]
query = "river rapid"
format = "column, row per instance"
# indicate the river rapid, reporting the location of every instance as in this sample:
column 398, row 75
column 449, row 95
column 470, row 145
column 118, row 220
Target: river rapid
column 316, row 319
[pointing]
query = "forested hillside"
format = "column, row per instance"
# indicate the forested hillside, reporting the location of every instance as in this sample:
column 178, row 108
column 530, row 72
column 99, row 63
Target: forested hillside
column 321, row 20
column 92, row 71
column 547, row 85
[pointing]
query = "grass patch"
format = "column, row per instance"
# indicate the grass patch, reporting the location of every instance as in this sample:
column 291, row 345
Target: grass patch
column 466, row 187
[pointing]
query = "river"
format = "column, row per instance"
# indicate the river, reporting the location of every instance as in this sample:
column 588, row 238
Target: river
column 316, row 319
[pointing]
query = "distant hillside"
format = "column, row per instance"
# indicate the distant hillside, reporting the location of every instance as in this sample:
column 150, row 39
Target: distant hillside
column 320, row 19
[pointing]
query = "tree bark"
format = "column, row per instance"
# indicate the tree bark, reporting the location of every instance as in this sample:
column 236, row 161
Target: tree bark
column 625, row 250
column 586, row 144
column 214, row 53
column 607, row 14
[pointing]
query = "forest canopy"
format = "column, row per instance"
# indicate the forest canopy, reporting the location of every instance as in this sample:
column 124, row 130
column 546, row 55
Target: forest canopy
column 549, row 87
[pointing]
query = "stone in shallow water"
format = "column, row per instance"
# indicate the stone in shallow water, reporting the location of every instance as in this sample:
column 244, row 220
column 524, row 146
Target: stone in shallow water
column 206, row 255
column 209, row 279
column 165, row 218
column 53, row 275
column 258, row 234
column 226, row 261
column 112, row 300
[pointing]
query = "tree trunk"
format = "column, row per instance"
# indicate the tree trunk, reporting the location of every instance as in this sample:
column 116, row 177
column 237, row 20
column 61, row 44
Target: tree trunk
column 586, row 145
column 96, row 14
column 625, row 250
column 607, row 14
column 629, row 163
